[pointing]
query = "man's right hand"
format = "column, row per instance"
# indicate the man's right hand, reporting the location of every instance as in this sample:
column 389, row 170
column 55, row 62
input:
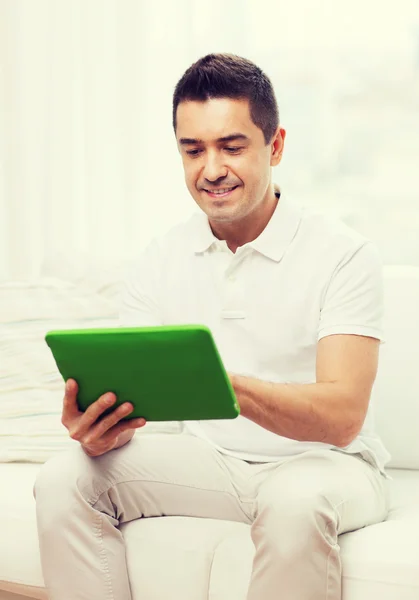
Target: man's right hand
column 98, row 434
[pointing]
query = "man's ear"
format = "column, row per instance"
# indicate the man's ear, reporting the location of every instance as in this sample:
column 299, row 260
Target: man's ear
column 277, row 146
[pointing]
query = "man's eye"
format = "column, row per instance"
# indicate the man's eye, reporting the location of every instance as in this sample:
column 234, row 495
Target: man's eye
column 193, row 152
column 233, row 149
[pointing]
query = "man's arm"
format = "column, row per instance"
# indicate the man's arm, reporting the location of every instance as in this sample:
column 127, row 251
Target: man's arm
column 333, row 409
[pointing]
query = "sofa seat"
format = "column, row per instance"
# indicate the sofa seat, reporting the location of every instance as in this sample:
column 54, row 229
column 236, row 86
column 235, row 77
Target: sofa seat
column 184, row 558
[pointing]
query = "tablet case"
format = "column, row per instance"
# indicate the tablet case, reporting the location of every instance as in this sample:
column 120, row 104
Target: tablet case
column 169, row 373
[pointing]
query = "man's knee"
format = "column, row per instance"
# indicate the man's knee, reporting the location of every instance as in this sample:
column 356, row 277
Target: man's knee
column 296, row 514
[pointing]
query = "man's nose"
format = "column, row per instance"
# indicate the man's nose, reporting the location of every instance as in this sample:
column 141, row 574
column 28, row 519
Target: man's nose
column 214, row 169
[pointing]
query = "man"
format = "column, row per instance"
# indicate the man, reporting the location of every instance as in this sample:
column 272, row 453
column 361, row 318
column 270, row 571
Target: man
column 294, row 302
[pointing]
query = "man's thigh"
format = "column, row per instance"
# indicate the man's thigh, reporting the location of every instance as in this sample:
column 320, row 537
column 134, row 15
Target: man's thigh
column 341, row 484
column 153, row 475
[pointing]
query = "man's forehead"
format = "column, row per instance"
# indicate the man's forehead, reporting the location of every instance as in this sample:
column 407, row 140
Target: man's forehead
column 213, row 119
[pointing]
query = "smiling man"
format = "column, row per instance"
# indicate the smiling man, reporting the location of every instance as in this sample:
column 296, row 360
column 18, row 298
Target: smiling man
column 294, row 302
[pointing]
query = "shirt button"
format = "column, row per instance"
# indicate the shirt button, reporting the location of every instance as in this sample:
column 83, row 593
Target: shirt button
column 232, row 278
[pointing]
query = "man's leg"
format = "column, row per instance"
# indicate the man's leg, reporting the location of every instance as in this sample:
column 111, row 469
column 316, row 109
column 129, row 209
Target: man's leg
column 80, row 501
column 302, row 507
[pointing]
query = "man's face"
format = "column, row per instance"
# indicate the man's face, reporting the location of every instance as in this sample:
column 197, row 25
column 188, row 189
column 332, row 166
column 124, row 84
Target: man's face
column 226, row 162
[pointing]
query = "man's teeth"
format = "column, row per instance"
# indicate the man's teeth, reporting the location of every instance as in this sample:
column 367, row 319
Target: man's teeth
column 223, row 191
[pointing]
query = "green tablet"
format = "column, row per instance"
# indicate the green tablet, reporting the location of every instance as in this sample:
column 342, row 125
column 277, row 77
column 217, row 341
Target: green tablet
column 168, row 373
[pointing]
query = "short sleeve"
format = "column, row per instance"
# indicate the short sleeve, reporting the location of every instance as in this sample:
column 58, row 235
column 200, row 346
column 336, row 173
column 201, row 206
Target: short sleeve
column 139, row 297
column 353, row 302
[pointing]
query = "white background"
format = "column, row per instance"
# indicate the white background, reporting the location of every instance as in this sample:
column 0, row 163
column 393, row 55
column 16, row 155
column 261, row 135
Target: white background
column 88, row 160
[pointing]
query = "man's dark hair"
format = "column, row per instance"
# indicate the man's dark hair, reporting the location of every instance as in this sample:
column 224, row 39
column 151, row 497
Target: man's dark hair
column 230, row 76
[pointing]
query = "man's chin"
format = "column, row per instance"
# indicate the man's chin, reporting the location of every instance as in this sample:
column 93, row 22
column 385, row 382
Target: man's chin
column 219, row 211
column 221, row 215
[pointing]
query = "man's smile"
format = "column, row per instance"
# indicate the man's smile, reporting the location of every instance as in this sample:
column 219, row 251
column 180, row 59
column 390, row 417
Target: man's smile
column 221, row 192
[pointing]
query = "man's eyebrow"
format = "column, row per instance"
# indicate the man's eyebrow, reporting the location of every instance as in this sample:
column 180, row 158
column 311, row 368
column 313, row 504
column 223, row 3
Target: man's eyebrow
column 186, row 141
column 227, row 138
column 234, row 137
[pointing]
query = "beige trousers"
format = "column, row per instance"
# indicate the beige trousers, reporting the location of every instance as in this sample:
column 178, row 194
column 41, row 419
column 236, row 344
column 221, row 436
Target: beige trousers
column 296, row 507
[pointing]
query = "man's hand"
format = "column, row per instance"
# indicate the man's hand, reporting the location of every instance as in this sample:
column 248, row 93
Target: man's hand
column 96, row 433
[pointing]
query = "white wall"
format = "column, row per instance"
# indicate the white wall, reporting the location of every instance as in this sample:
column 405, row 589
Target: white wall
column 88, row 161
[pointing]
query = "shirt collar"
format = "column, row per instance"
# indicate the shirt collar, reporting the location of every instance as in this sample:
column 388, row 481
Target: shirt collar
column 272, row 242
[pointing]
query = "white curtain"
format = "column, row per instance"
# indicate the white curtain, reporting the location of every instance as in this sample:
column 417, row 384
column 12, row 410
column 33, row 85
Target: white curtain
column 88, row 160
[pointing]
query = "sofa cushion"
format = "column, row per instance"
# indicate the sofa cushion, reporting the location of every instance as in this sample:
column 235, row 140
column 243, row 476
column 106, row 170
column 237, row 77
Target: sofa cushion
column 205, row 558
column 31, row 388
column 20, row 566
column 395, row 393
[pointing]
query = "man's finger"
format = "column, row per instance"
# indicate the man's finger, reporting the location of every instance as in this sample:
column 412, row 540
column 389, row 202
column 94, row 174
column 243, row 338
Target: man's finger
column 107, row 439
column 70, row 407
column 100, row 426
column 93, row 412
column 71, row 386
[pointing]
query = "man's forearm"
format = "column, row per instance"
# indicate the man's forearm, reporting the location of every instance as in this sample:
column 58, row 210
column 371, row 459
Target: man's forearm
column 318, row 412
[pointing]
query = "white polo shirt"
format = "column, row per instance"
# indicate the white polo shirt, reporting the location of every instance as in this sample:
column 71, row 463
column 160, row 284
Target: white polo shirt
column 305, row 277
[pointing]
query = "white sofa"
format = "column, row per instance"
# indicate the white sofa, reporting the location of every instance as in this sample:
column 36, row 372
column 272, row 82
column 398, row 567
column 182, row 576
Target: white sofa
column 181, row 558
